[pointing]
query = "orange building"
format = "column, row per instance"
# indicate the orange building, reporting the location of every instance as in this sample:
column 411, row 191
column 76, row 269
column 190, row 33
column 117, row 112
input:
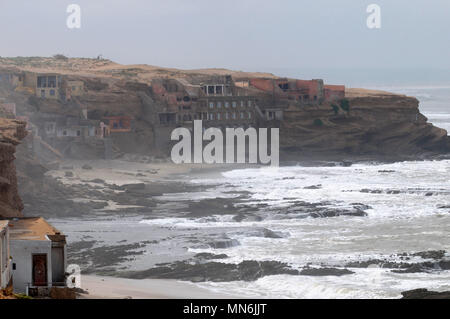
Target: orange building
column 305, row 91
column 118, row 124
column 334, row 92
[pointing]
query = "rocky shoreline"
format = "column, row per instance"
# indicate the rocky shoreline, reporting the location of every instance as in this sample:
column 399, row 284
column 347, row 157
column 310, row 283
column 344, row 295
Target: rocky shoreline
column 144, row 198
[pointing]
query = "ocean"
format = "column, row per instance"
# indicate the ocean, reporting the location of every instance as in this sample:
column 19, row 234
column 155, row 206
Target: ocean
column 407, row 206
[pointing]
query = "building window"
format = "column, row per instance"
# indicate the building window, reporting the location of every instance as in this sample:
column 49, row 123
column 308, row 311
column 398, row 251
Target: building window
column 42, row 82
column 51, row 81
column 242, row 103
column 211, row 116
column 65, row 133
column 42, row 93
column 234, row 116
column 249, row 103
column 242, row 115
column 211, row 105
column 219, row 105
column 218, row 116
column 227, row 104
column 227, row 116
column 50, row 128
column 52, row 92
column 249, row 115
column 234, row 104
column 78, row 133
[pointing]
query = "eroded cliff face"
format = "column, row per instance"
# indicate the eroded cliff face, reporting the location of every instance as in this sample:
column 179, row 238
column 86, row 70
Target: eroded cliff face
column 375, row 123
column 11, row 132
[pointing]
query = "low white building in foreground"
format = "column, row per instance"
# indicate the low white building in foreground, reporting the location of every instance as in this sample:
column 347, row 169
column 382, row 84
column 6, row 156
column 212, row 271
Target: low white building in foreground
column 5, row 260
column 38, row 253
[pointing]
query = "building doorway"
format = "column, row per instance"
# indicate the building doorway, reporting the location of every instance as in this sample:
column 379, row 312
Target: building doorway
column 40, row 270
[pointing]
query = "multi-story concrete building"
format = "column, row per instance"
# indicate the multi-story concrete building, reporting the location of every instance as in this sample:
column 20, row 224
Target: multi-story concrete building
column 48, row 86
column 218, row 102
column 302, row 91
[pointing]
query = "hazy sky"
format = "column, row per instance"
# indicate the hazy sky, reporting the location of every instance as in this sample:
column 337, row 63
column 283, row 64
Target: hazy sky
column 238, row 34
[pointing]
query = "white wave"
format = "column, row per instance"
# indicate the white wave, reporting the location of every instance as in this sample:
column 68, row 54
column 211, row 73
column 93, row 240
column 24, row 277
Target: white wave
column 404, row 217
column 365, row 283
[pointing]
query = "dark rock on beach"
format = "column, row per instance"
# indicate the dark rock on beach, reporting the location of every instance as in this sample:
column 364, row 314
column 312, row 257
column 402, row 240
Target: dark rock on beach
column 209, row 256
column 300, row 209
column 338, row 212
column 431, row 254
column 425, row 294
column 432, row 260
column 266, row 233
column 248, row 270
column 68, row 174
column 313, row 187
column 224, row 243
column 325, row 272
column 103, row 258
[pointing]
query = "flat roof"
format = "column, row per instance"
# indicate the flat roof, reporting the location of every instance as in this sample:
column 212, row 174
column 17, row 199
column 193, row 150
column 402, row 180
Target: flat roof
column 31, row 228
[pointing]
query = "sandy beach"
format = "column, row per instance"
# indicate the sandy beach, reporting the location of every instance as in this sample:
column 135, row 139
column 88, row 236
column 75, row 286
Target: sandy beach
column 100, row 287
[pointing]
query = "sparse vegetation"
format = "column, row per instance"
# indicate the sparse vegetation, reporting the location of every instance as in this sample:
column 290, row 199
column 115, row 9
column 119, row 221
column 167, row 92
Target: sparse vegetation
column 60, row 57
column 318, row 122
column 345, row 105
column 335, row 109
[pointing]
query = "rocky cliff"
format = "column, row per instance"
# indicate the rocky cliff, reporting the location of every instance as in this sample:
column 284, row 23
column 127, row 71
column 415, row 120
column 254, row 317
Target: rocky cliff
column 370, row 124
column 11, row 132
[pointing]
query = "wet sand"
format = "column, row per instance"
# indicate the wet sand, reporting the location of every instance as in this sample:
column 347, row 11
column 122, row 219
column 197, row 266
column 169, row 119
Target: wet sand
column 122, row 172
column 99, row 287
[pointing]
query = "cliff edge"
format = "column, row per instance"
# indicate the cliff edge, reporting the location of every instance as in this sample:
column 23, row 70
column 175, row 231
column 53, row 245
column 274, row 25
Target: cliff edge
column 70, row 101
column 367, row 123
column 11, row 132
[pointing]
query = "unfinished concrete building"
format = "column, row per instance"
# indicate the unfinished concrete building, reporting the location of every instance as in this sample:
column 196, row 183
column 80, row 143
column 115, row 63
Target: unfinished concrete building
column 217, row 101
column 48, row 86
column 72, row 88
column 302, row 91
